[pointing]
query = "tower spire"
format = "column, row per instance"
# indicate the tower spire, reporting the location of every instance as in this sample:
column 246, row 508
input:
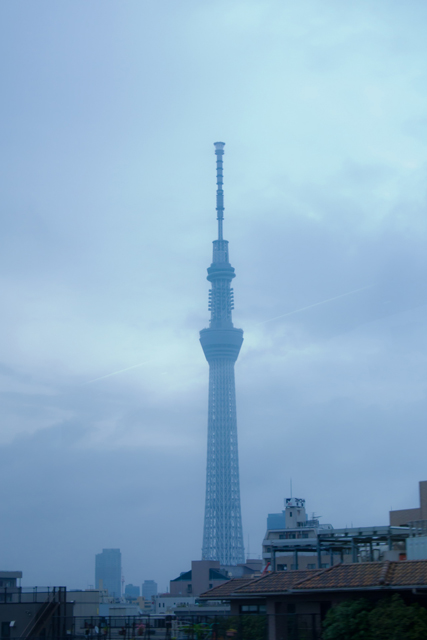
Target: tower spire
column 221, row 342
column 219, row 151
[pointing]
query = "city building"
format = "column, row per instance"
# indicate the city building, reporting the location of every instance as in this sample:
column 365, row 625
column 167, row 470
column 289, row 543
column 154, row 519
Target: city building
column 119, row 609
column 10, row 579
column 34, row 612
column 167, row 603
column 288, row 534
column 416, row 521
column 108, row 571
column 132, row 592
column 149, row 589
column 252, row 567
column 146, row 606
column 86, row 606
column 293, row 541
column 221, row 342
column 412, row 517
column 203, row 575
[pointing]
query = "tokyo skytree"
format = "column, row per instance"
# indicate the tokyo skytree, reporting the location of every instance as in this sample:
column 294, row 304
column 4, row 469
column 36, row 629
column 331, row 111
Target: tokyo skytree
column 221, row 342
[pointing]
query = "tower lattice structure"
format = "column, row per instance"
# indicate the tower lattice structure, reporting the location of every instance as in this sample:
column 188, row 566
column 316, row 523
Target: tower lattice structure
column 221, row 342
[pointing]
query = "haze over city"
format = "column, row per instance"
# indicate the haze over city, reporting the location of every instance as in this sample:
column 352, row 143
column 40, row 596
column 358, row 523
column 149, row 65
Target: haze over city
column 109, row 114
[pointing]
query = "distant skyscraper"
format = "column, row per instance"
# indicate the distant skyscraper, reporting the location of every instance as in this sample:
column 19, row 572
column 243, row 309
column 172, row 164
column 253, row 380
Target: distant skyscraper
column 132, row 591
column 222, row 536
column 149, row 589
column 108, row 568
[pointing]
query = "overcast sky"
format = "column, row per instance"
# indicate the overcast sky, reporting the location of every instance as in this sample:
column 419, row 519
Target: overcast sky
column 108, row 115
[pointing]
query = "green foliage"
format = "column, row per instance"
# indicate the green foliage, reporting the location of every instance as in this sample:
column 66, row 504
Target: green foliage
column 248, row 627
column 388, row 619
column 347, row 621
column 253, row 627
column 244, row 627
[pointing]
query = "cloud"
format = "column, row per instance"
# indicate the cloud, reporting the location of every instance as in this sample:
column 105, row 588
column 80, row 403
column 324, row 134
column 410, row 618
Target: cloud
column 108, row 218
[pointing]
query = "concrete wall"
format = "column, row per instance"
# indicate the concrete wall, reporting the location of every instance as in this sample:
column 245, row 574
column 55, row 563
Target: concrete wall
column 180, row 587
column 423, row 499
column 416, row 548
column 23, row 614
column 86, row 605
column 403, row 516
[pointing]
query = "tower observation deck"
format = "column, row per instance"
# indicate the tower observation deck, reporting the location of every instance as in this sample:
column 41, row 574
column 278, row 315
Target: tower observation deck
column 221, row 342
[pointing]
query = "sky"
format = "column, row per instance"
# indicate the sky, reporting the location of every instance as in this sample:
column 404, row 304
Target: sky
column 108, row 116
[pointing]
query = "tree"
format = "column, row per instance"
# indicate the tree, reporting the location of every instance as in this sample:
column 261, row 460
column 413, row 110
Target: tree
column 387, row 619
column 348, row 620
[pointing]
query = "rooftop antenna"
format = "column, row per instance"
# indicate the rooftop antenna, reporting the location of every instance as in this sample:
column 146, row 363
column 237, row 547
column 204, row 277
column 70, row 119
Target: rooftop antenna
column 219, row 151
column 291, row 487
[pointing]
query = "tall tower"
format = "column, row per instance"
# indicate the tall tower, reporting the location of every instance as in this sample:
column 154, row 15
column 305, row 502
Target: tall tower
column 222, row 536
column 108, row 570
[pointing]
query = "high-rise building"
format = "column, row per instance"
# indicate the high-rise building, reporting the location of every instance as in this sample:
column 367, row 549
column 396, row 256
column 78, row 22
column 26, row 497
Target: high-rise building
column 221, row 342
column 149, row 589
column 108, row 571
column 132, row 591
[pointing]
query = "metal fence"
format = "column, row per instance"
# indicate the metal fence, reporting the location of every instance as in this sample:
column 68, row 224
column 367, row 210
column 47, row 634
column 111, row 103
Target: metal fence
column 30, row 594
column 193, row 627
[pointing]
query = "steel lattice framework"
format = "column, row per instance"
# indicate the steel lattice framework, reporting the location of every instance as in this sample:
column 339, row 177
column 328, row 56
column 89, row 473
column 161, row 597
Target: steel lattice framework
column 223, row 535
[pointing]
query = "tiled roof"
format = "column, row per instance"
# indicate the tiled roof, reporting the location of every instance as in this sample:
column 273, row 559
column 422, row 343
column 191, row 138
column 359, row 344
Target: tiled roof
column 369, row 574
column 225, row 589
column 278, row 581
column 407, row 573
column 411, row 572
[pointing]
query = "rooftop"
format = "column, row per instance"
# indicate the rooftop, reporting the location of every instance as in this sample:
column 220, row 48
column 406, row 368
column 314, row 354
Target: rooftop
column 369, row 575
column 225, row 589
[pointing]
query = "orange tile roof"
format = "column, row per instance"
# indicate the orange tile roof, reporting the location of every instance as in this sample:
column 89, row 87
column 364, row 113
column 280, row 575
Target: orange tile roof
column 278, row 581
column 226, row 588
column 408, row 573
column 369, row 574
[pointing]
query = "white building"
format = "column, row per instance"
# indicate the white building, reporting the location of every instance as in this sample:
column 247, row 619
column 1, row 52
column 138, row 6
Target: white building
column 290, row 540
column 166, row 603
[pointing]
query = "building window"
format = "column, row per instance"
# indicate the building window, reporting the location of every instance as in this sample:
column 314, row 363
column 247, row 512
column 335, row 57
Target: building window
column 282, row 567
column 311, row 566
column 252, row 608
column 190, row 588
column 305, row 535
column 324, row 565
column 5, row 629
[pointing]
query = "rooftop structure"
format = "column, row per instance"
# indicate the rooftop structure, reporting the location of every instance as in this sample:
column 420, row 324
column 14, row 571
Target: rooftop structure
column 10, row 578
column 415, row 518
column 203, row 575
column 296, row 542
column 221, row 342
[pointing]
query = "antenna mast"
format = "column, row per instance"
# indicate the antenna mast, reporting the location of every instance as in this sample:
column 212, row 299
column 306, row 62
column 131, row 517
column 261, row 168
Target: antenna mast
column 219, row 151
